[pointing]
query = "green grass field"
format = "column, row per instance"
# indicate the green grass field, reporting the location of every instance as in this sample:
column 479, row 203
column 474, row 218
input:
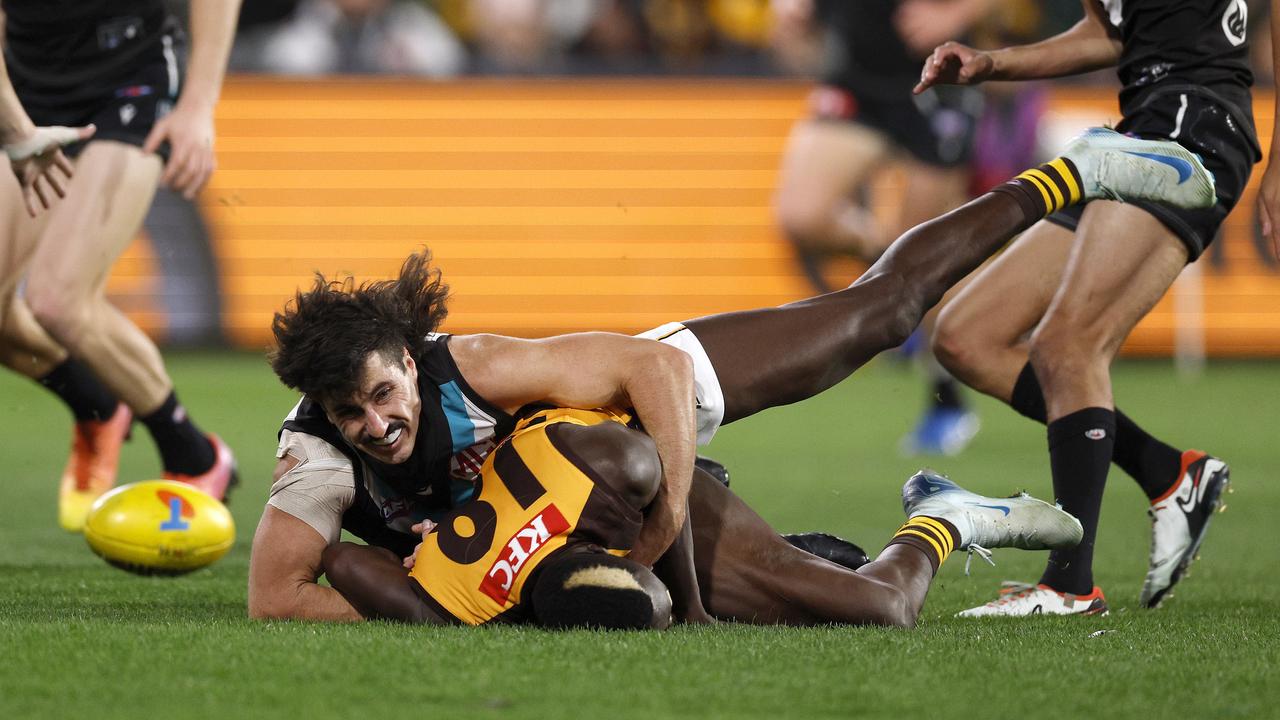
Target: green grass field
column 80, row 639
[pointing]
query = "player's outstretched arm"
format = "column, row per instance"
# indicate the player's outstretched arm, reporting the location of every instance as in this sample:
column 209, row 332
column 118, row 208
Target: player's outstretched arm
column 283, row 568
column 1269, row 191
column 285, row 562
column 189, row 128
column 676, row 569
column 1090, row 44
column 35, row 153
column 592, row 370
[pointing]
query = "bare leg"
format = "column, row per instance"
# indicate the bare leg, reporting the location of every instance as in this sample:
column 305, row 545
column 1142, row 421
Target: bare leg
column 87, row 230
column 24, row 346
column 824, row 165
column 777, row 356
column 1107, row 288
column 374, row 581
column 981, row 337
column 750, row 574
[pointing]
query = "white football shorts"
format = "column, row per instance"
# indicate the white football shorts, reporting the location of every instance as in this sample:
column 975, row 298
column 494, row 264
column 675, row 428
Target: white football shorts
column 710, row 400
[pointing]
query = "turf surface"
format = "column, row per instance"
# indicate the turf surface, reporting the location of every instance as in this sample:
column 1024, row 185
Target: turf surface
column 81, row 639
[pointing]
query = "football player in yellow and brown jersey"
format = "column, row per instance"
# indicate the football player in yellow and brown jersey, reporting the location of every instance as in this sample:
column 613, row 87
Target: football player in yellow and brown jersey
column 565, row 484
column 395, row 416
column 560, row 505
column 536, row 497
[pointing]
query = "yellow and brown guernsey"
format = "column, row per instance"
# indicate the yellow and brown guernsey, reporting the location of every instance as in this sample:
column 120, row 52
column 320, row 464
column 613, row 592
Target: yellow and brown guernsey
column 535, row 497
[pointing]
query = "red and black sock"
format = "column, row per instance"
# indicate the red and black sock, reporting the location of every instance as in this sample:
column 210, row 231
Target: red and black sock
column 81, row 390
column 183, row 448
column 1046, row 189
column 1150, row 462
column 1080, row 446
column 935, row 537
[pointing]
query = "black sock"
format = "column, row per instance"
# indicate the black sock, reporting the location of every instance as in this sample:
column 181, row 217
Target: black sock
column 946, row 393
column 183, row 448
column 1044, row 190
column 1027, row 398
column 1152, row 463
column 81, row 391
column 1080, row 446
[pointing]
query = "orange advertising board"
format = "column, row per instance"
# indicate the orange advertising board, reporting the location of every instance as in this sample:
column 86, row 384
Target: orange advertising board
column 554, row 206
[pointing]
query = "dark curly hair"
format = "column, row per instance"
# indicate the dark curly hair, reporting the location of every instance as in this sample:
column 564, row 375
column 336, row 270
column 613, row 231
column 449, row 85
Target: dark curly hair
column 324, row 336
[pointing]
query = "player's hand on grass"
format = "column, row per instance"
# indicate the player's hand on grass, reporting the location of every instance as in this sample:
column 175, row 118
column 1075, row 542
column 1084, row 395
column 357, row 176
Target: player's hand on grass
column 189, row 132
column 954, row 64
column 423, row 528
column 1269, row 204
column 37, row 160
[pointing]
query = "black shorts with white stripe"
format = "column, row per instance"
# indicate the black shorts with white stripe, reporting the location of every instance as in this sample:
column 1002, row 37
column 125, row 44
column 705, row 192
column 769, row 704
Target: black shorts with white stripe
column 124, row 110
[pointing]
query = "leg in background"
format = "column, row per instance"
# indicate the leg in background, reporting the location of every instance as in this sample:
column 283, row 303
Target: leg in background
column 104, row 208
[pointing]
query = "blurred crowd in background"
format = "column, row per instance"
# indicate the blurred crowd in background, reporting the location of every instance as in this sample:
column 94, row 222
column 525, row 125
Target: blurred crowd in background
column 446, row 38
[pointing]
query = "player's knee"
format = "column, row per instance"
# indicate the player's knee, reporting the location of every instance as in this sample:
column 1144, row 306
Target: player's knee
column 1059, row 359
column 63, row 315
column 802, row 220
column 956, row 345
column 626, row 460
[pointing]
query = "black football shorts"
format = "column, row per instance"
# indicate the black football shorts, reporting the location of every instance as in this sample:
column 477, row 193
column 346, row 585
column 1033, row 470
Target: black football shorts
column 124, row 110
column 936, row 127
column 1219, row 132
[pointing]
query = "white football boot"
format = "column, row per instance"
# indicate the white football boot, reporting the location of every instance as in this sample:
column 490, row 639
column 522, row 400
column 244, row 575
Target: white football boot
column 984, row 522
column 1114, row 166
column 1022, row 600
column 1179, row 520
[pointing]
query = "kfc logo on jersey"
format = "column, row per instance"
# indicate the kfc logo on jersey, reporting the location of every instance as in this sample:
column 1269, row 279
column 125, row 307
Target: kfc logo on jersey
column 527, row 541
column 1234, row 20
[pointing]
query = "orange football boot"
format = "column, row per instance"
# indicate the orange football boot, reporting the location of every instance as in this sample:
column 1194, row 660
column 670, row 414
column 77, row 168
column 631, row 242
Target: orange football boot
column 217, row 480
column 91, row 469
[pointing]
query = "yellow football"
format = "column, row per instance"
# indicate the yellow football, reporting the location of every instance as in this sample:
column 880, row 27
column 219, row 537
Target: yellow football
column 159, row 527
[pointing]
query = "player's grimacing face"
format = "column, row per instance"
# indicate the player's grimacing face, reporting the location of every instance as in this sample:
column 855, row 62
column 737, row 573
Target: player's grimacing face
column 381, row 418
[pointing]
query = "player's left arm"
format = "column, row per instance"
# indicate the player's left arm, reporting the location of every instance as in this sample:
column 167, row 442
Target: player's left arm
column 591, row 370
column 1269, row 191
column 189, row 128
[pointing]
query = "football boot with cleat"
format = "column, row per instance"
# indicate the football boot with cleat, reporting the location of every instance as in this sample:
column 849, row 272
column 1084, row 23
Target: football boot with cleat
column 1179, row 520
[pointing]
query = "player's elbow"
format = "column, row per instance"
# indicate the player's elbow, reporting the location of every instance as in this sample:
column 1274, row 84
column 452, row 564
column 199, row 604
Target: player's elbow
column 266, row 606
column 277, row 599
column 672, row 362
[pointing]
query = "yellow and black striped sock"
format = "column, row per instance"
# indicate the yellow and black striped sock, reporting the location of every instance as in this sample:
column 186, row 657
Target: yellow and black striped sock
column 1047, row 189
column 935, row 537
